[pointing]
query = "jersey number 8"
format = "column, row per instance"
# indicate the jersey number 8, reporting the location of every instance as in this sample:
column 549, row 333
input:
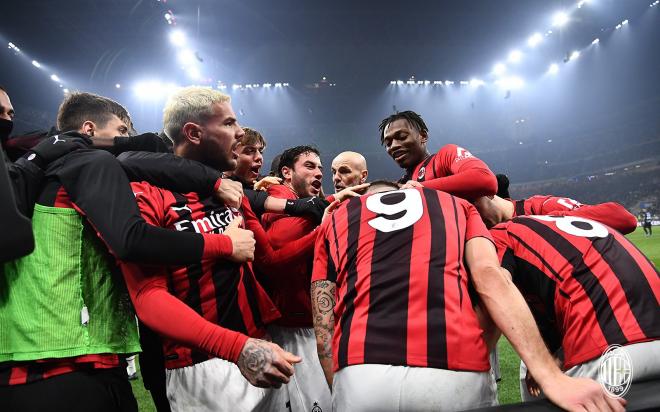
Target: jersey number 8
column 396, row 210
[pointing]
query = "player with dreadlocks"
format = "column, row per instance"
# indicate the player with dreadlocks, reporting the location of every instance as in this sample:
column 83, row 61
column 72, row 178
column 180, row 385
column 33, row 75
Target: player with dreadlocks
column 452, row 169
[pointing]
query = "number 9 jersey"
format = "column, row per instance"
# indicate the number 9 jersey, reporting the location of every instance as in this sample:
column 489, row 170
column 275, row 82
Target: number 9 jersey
column 401, row 283
column 586, row 284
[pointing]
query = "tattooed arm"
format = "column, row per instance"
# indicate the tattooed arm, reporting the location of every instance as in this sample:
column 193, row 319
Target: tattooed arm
column 323, row 305
column 264, row 364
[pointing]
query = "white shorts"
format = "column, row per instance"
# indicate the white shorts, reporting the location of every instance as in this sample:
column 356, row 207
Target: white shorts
column 645, row 358
column 308, row 388
column 374, row 387
column 215, row 385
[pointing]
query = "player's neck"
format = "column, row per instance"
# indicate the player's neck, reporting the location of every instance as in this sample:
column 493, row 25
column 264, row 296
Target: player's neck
column 506, row 208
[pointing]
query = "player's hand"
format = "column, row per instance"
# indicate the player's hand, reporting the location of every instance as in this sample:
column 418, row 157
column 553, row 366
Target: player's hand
column 532, row 386
column 242, row 241
column 411, row 184
column 230, row 192
column 580, row 394
column 350, row 192
column 265, row 364
column 267, row 182
column 331, row 208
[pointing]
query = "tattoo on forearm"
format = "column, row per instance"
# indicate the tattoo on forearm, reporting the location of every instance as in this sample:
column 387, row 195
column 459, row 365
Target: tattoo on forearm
column 323, row 304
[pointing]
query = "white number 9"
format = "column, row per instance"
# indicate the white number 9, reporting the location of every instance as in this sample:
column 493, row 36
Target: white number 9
column 397, row 210
column 566, row 224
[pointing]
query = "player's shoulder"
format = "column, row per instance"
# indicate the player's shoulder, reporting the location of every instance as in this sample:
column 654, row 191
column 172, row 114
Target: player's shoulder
column 281, row 192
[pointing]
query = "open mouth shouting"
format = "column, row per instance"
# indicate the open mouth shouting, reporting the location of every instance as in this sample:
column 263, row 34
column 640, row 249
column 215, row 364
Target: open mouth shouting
column 316, row 187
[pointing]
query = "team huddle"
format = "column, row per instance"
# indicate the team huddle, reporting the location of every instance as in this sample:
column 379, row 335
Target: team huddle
column 265, row 294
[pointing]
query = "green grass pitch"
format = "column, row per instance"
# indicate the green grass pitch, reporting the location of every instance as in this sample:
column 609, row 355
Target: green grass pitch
column 508, row 391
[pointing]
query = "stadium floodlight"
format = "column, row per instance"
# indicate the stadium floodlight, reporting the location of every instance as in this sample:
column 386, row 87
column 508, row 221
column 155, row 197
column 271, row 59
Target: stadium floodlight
column 278, row 84
column 515, row 56
column 560, row 19
column 419, row 82
column 36, row 64
column 553, row 69
column 623, row 23
column 285, row 84
column 476, row 82
column 13, row 47
column 266, row 85
column 236, row 86
column 65, row 91
column 448, row 82
column 427, row 82
column 186, row 57
column 410, row 82
column 534, row 40
column 574, row 55
column 117, row 86
column 437, row 82
column 178, row 38
column 392, row 82
column 511, row 83
column 581, row 3
column 54, row 78
column 499, row 69
column 248, row 86
column 596, row 41
column 150, row 90
column 464, row 82
column 618, row 26
column 193, row 72
column 399, row 82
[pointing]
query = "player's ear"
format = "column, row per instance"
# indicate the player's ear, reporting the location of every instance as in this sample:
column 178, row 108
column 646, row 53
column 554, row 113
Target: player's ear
column 287, row 172
column 423, row 137
column 88, row 128
column 363, row 177
column 192, row 133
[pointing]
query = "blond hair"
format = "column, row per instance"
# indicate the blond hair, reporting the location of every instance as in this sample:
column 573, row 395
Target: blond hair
column 189, row 105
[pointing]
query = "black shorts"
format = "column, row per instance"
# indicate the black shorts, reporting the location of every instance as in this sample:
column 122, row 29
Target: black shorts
column 99, row 390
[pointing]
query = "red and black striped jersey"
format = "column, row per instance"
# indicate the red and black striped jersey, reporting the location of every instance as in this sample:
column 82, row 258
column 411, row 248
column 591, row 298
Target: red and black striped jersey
column 588, row 285
column 223, row 292
column 455, row 170
column 401, row 296
column 611, row 214
column 20, row 373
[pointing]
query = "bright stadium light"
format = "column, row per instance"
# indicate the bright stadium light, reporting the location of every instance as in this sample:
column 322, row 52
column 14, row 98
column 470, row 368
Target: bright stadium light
column 392, row 82
column 178, row 38
column 515, row 56
column 399, row 82
column 419, row 82
column 266, row 85
column 559, row 19
column 499, row 69
column 410, row 82
column 236, row 86
column 581, row 3
column 65, row 91
column 553, row 69
column 596, row 41
column 118, row 86
column 193, row 72
column 534, row 40
column 448, row 82
column 511, row 83
column 285, row 84
column 623, row 23
column 437, row 82
column 13, row 47
column 186, row 57
column 574, row 55
column 278, row 84
column 54, row 78
column 427, row 82
column 464, row 82
column 476, row 82
column 36, row 64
